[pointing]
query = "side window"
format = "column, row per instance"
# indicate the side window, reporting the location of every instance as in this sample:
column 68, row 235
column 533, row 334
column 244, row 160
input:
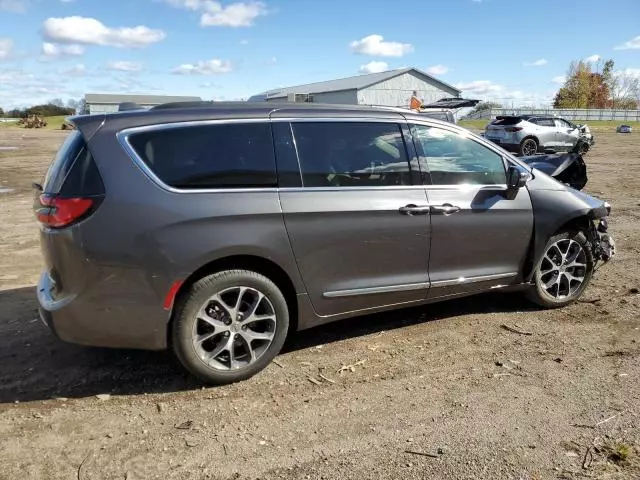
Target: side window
column 351, row 154
column 562, row 123
column 546, row 122
column 286, row 158
column 454, row 159
column 230, row 155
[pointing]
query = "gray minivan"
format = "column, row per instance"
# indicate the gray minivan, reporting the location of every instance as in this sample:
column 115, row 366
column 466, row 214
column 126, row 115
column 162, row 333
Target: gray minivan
column 216, row 229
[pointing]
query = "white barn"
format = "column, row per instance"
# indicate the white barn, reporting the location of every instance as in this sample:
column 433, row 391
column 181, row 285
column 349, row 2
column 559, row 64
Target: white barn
column 392, row 88
column 108, row 103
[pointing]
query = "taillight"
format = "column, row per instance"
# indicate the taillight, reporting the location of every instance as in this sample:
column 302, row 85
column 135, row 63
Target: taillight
column 513, row 129
column 58, row 212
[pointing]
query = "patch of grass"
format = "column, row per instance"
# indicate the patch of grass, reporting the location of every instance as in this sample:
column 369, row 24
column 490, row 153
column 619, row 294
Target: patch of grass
column 618, row 452
column 53, row 123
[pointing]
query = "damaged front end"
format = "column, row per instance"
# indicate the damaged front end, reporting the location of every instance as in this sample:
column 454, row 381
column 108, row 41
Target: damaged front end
column 567, row 168
column 603, row 247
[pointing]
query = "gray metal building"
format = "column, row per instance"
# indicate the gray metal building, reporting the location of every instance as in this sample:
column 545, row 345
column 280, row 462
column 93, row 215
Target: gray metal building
column 392, row 88
column 106, row 103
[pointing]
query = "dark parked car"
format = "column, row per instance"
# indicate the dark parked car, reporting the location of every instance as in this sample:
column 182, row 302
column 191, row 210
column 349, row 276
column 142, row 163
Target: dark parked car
column 216, row 229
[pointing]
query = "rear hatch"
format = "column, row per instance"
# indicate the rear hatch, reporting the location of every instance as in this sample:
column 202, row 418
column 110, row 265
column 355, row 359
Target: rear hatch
column 71, row 192
column 502, row 126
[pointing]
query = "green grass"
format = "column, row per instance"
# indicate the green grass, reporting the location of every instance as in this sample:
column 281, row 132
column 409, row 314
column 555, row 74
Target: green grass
column 596, row 126
column 53, row 123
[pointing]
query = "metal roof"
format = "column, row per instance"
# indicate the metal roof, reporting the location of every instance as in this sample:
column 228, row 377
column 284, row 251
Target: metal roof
column 92, row 98
column 357, row 82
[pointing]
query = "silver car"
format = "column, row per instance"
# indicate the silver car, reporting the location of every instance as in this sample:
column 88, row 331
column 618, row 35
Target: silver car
column 529, row 134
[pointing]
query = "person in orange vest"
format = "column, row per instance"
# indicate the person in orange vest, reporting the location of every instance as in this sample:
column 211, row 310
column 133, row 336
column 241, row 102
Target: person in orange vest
column 415, row 103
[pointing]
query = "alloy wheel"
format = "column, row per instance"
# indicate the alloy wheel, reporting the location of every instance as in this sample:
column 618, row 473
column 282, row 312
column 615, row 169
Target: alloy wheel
column 563, row 269
column 529, row 147
column 234, row 328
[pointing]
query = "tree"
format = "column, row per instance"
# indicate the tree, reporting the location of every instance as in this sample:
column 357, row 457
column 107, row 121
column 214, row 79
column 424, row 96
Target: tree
column 57, row 102
column 625, row 90
column 484, row 106
column 1, row 112
column 81, row 108
column 72, row 103
column 583, row 88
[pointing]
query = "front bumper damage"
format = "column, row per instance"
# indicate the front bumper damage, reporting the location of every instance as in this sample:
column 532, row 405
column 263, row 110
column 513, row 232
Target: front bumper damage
column 603, row 246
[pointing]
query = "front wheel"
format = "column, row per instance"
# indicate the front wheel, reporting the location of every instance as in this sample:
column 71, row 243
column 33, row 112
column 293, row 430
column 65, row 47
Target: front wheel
column 563, row 272
column 229, row 326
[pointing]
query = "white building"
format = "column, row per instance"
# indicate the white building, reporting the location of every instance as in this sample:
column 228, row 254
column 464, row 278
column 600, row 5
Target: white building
column 107, row 103
column 392, row 88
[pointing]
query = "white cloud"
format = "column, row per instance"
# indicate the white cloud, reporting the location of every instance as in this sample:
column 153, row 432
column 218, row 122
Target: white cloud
column 89, row 31
column 633, row 44
column 560, row 79
column 593, row 58
column 374, row 67
column 15, row 6
column 480, row 87
column 632, row 72
column 214, row 14
column 244, row 42
column 76, row 71
column 375, row 45
column 51, row 50
column 123, row 66
column 538, row 63
column 66, row 1
column 205, row 67
column 6, row 47
column 437, row 70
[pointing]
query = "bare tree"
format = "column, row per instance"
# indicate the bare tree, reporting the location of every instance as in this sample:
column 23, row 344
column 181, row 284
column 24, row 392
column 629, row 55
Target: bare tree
column 625, row 91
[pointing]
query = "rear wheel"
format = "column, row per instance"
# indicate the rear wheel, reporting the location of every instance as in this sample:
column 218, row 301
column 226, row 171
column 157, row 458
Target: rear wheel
column 528, row 147
column 563, row 272
column 230, row 326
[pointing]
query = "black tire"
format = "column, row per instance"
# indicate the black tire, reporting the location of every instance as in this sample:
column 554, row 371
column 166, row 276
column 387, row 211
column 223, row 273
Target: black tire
column 528, row 146
column 187, row 321
column 563, row 296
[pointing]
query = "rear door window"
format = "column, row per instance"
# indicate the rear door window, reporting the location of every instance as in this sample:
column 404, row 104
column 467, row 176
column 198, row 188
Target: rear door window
column 545, row 122
column 351, row 154
column 226, row 155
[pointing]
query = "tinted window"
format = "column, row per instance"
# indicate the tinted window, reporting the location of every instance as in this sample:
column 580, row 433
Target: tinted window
column 287, row 160
column 545, row 122
column 562, row 123
column 210, row 156
column 506, row 121
column 454, row 159
column 351, row 154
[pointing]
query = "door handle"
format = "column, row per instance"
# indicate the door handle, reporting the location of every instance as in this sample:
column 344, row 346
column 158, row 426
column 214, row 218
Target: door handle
column 446, row 209
column 412, row 209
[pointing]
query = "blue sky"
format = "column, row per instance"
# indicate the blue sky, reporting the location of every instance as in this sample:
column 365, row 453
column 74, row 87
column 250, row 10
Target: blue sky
column 510, row 50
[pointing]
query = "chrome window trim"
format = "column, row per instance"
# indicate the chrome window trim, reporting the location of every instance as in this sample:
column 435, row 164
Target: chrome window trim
column 123, row 138
column 476, row 279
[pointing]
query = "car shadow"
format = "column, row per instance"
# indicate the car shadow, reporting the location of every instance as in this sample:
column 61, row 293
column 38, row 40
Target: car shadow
column 35, row 365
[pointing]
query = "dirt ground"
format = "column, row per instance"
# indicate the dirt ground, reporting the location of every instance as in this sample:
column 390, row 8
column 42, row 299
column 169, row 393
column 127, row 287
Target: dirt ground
column 446, row 381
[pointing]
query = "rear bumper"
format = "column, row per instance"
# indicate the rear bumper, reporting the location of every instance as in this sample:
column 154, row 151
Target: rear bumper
column 82, row 321
column 510, row 147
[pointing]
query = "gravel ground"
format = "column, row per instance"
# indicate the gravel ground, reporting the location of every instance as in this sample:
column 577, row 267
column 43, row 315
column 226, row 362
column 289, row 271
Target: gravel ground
column 446, row 381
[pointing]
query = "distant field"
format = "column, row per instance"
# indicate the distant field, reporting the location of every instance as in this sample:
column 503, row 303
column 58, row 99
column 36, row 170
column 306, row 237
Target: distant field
column 53, row 123
column 601, row 126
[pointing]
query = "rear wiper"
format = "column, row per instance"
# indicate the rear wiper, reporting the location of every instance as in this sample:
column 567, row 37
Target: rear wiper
column 36, row 186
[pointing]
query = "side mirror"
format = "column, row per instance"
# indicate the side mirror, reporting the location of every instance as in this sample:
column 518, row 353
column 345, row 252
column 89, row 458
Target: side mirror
column 516, row 178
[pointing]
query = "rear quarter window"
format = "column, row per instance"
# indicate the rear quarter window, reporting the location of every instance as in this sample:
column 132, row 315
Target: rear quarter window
column 505, row 121
column 73, row 171
column 233, row 155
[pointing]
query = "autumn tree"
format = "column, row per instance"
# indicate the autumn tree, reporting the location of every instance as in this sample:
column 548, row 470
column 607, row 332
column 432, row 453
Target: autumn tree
column 584, row 88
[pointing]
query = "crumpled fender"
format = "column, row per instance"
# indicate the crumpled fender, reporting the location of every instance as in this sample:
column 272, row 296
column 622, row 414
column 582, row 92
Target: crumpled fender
column 568, row 168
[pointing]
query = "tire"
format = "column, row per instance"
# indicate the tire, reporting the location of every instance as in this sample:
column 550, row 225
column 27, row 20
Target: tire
column 568, row 247
column 216, row 347
column 581, row 147
column 528, row 146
